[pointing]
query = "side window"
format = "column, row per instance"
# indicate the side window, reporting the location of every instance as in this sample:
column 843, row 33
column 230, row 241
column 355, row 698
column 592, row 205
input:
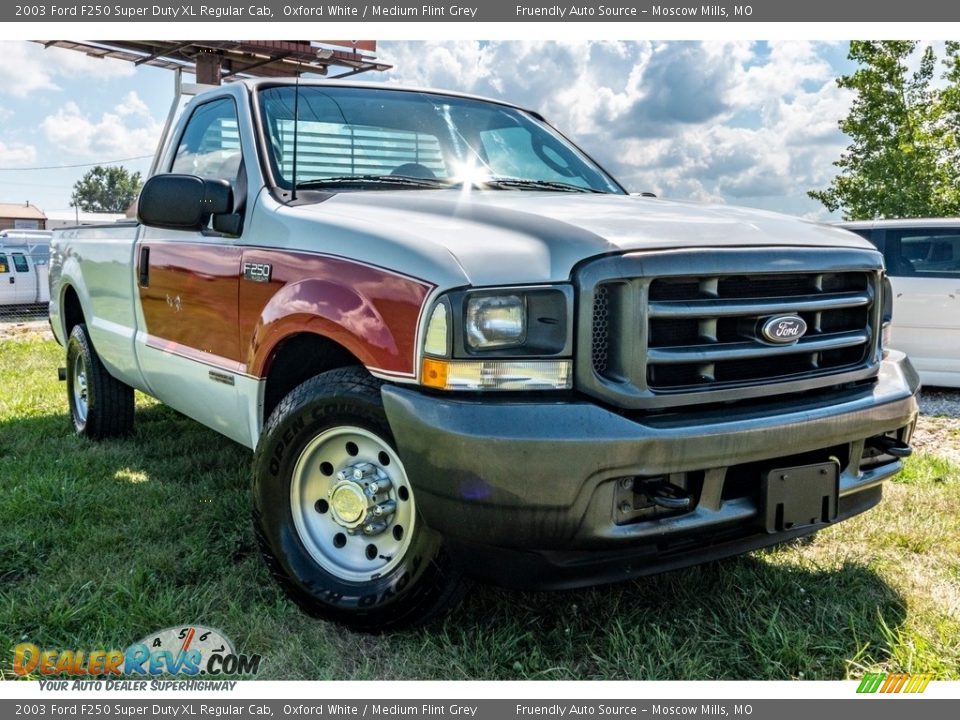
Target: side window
column 210, row 146
column 20, row 263
column 935, row 253
column 4, row 268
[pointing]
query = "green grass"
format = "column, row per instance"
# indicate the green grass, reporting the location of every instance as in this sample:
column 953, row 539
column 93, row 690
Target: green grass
column 101, row 544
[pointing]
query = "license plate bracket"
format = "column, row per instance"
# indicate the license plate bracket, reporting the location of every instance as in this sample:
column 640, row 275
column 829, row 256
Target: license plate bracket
column 796, row 497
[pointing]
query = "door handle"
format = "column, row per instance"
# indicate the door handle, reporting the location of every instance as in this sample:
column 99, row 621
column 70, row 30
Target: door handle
column 12, row 280
column 144, row 266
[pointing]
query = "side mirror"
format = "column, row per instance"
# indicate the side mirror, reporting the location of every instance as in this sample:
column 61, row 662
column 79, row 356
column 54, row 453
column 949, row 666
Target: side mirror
column 183, row 202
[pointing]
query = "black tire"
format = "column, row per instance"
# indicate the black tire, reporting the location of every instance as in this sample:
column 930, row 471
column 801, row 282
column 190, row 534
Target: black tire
column 421, row 583
column 101, row 406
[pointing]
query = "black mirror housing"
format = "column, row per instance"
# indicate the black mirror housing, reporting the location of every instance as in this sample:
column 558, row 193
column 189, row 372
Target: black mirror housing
column 183, row 202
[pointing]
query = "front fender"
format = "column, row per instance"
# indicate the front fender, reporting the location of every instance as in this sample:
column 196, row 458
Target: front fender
column 375, row 321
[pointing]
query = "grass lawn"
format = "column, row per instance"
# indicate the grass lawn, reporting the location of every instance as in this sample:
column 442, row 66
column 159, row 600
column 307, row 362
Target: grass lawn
column 101, row 544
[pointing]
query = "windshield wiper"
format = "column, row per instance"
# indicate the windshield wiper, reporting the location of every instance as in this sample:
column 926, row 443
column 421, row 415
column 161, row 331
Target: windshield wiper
column 375, row 180
column 523, row 184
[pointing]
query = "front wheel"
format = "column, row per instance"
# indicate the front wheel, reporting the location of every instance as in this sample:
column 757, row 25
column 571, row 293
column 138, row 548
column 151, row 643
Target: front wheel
column 335, row 511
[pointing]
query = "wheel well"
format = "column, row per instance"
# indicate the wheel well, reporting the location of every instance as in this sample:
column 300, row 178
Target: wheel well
column 72, row 311
column 297, row 359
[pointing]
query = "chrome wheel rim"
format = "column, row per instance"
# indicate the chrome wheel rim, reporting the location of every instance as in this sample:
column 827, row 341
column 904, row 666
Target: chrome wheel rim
column 80, row 388
column 352, row 504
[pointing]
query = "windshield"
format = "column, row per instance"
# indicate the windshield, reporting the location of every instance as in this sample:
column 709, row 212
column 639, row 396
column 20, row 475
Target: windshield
column 360, row 138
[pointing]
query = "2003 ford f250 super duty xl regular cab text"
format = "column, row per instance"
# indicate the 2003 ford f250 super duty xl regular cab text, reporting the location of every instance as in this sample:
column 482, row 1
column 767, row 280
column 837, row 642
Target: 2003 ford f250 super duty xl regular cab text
column 459, row 347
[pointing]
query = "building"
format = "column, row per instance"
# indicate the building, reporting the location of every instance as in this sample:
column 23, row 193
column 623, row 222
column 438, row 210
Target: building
column 22, row 216
column 69, row 218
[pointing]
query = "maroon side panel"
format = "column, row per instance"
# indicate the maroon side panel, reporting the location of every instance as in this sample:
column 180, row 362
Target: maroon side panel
column 190, row 304
column 372, row 312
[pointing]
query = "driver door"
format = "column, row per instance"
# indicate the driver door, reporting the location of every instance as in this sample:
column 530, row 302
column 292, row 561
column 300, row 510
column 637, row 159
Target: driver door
column 188, row 284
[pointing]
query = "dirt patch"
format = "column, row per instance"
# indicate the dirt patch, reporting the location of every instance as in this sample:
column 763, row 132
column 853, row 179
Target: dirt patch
column 25, row 330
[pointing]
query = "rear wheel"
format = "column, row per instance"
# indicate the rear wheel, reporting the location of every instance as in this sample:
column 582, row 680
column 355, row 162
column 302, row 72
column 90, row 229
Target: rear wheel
column 335, row 511
column 100, row 405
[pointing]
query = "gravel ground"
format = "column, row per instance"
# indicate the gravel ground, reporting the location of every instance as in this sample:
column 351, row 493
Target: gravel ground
column 938, row 430
column 940, row 401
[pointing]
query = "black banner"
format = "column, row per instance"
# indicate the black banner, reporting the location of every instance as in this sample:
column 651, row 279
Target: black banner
column 358, row 11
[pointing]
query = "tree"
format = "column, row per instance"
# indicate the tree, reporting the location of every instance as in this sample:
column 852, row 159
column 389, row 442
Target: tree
column 106, row 189
column 901, row 160
column 948, row 127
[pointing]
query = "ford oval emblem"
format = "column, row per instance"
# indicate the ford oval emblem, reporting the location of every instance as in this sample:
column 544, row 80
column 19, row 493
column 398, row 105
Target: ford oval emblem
column 783, row 329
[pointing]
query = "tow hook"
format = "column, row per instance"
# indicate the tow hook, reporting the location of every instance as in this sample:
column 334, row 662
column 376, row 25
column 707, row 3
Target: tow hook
column 890, row 446
column 61, row 374
column 665, row 495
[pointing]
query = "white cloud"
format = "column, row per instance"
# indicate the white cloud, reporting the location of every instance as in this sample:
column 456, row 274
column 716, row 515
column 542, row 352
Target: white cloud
column 126, row 131
column 16, row 154
column 29, row 67
column 132, row 105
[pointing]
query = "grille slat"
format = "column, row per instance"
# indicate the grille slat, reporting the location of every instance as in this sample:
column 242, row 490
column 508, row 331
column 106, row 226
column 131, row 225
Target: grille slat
column 720, row 352
column 728, row 308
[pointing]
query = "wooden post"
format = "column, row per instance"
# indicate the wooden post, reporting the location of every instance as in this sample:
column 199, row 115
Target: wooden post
column 208, row 68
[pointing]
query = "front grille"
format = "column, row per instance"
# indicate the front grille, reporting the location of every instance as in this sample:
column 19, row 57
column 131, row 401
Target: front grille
column 705, row 331
column 699, row 334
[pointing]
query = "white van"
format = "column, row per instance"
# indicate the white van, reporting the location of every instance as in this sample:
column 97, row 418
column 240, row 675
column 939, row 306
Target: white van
column 22, row 280
column 923, row 263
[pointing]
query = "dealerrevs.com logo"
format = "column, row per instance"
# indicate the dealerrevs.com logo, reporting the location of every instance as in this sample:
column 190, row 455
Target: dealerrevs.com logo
column 180, row 651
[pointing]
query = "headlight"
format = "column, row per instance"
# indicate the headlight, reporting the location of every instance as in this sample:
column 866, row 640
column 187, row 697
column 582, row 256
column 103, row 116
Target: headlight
column 495, row 321
column 502, row 339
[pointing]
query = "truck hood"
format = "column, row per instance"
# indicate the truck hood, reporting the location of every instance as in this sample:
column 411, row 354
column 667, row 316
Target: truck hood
column 501, row 237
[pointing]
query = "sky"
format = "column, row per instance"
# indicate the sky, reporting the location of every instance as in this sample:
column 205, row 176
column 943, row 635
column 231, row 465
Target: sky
column 742, row 123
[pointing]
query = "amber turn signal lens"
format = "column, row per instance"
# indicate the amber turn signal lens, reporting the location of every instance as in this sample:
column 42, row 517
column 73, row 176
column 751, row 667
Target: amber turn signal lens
column 434, row 373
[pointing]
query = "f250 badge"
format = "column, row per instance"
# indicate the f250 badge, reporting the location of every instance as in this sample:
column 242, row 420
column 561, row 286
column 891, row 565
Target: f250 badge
column 257, row 272
column 783, row 329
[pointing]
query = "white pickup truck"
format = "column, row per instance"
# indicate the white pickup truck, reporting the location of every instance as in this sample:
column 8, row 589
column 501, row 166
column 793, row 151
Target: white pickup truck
column 459, row 347
column 23, row 280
